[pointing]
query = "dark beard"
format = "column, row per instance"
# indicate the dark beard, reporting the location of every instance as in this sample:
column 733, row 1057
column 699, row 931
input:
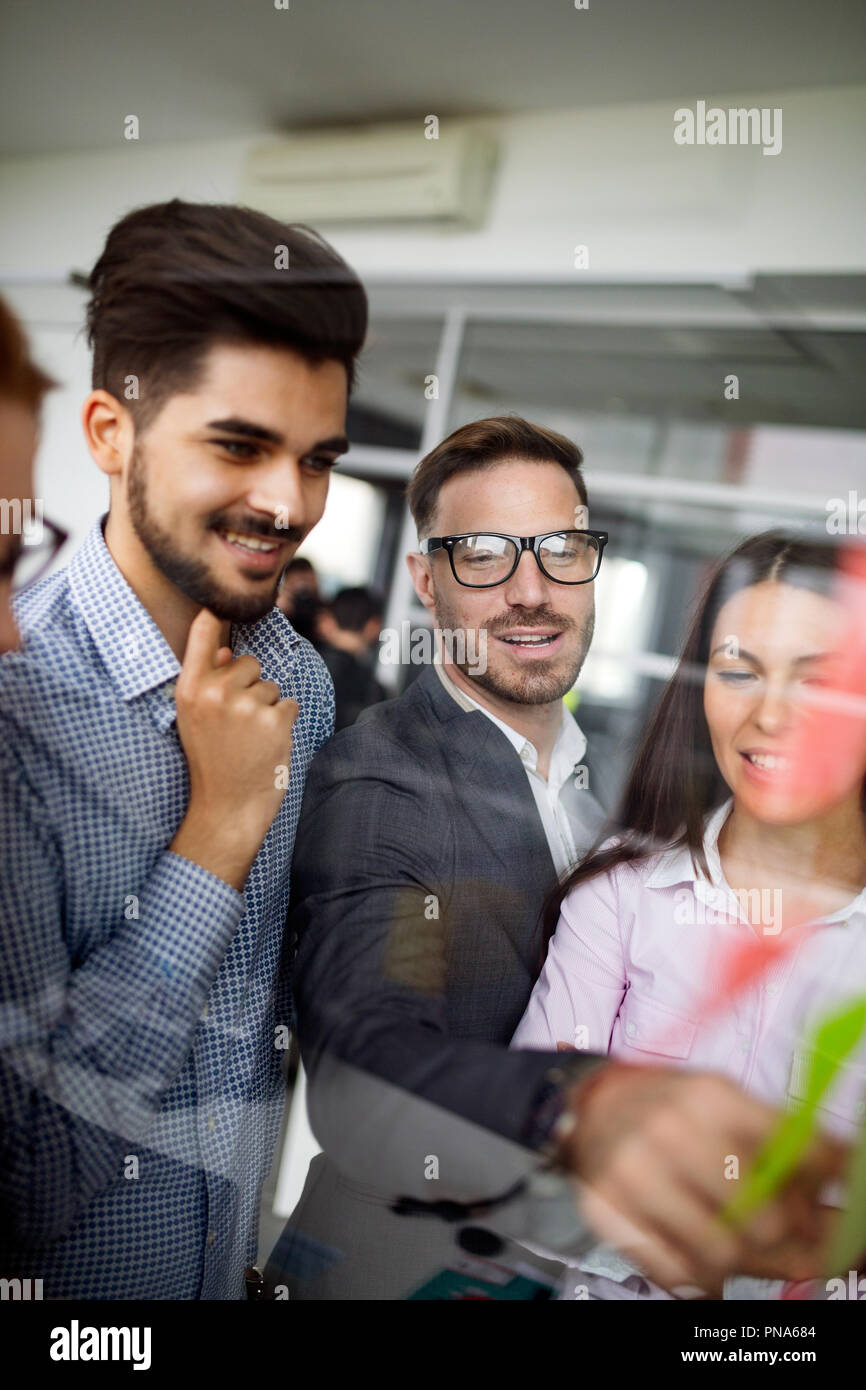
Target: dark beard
column 538, row 686
column 192, row 577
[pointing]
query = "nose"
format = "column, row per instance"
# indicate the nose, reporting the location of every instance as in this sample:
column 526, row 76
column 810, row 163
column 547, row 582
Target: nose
column 774, row 712
column 527, row 587
column 279, row 491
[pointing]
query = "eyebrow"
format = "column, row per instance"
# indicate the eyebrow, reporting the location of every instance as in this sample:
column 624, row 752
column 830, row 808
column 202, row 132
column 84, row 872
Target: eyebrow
column 747, row 656
column 815, row 656
column 248, row 429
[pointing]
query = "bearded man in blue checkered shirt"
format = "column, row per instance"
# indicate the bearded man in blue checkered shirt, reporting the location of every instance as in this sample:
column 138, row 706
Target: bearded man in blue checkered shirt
column 156, row 726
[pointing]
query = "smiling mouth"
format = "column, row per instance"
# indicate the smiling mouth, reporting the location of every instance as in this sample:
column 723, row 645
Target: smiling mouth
column 531, row 639
column 255, row 544
column 767, row 762
column 259, row 557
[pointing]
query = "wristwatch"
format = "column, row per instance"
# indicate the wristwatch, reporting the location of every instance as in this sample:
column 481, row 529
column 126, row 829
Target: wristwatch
column 551, row 1119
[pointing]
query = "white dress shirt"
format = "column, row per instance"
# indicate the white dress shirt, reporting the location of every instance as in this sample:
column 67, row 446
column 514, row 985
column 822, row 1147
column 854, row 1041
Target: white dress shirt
column 570, row 815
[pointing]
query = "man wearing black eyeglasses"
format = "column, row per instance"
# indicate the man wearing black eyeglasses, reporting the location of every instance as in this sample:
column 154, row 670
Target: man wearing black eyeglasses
column 431, row 834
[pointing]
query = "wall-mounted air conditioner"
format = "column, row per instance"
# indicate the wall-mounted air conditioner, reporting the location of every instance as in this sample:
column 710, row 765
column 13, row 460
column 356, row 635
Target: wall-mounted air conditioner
column 375, row 173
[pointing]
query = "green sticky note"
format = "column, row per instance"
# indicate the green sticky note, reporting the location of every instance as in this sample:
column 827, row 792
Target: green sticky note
column 849, row 1234
column 834, row 1038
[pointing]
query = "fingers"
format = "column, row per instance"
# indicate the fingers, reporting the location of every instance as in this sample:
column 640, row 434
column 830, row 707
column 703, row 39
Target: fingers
column 653, row 1152
column 789, row 1236
column 203, row 643
column 787, row 1214
column 651, row 1182
column 245, row 674
column 731, row 1112
column 268, row 693
column 648, row 1213
column 795, row 1249
column 625, row 1231
column 781, row 1239
column 265, row 692
column 791, row 1259
column 290, row 708
column 242, row 672
column 687, row 1226
column 205, row 656
column 826, row 1161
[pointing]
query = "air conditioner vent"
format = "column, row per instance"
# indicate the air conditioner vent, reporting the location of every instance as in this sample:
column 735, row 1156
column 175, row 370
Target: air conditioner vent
column 380, row 173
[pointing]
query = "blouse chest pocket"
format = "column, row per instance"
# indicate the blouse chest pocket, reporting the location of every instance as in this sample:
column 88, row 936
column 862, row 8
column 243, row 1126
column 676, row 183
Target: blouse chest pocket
column 845, row 1097
column 653, row 1027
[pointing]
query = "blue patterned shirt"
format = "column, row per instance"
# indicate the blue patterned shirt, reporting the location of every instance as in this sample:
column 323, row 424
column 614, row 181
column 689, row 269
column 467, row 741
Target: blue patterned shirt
column 142, row 1017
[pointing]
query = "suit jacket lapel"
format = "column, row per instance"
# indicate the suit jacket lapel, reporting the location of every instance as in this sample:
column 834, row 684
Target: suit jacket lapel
column 500, row 801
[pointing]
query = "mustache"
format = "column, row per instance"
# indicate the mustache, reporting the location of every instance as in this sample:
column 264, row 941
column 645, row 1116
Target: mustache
column 254, row 526
column 525, row 617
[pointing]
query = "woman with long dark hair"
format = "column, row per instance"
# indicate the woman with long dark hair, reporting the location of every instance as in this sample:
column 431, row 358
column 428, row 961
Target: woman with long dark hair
column 733, row 834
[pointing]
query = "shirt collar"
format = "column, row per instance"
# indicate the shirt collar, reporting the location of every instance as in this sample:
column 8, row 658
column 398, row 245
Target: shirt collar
column 135, row 653
column 677, row 866
column 568, row 751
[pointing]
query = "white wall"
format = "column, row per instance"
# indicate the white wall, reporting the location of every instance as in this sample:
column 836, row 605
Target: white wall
column 609, row 177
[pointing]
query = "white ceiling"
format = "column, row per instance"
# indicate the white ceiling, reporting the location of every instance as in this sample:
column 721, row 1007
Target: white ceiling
column 197, row 69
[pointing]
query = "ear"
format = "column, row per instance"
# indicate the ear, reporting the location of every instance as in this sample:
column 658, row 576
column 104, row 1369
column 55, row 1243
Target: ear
column 422, row 579
column 108, row 431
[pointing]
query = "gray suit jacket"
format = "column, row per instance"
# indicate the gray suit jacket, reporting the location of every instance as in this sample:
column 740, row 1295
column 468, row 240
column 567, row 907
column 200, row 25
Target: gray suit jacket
column 419, row 871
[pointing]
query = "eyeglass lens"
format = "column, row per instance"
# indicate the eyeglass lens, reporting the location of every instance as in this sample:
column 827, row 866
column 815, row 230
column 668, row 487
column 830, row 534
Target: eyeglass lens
column 568, row 556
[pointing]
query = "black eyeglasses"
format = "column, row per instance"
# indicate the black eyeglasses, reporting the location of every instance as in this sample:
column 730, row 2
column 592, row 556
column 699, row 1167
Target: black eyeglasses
column 479, row 560
column 35, row 545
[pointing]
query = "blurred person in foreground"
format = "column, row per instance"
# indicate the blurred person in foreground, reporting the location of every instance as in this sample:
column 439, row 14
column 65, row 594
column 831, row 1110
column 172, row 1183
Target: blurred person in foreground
column 155, row 731
column 348, row 629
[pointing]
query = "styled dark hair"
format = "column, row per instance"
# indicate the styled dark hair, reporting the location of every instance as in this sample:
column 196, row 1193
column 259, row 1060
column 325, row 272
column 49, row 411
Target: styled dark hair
column 480, row 445
column 174, row 278
column 675, row 783
column 20, row 379
column 353, row 608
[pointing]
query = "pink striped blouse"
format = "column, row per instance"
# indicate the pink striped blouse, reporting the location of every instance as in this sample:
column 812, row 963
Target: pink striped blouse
column 633, row 963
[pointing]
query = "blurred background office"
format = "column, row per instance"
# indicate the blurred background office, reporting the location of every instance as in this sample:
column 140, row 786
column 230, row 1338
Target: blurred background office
column 504, row 177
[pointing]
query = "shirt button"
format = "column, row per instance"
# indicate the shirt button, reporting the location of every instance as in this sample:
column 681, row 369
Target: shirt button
column 525, row 754
column 211, row 1237
column 205, row 1011
column 771, row 989
column 630, row 1029
column 211, row 1122
column 745, row 1045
